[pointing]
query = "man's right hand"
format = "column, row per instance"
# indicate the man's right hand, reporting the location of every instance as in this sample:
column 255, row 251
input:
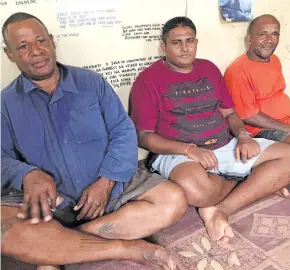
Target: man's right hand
column 205, row 157
column 40, row 194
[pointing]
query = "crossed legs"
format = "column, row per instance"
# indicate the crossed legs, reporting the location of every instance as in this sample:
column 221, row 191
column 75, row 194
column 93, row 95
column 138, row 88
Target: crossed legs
column 49, row 243
column 217, row 198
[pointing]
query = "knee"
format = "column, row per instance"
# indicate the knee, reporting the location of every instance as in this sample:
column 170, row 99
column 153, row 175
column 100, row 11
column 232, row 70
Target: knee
column 174, row 204
column 201, row 193
column 14, row 231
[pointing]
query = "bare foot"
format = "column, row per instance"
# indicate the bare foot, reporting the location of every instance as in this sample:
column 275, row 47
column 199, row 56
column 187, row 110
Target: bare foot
column 48, row 267
column 284, row 193
column 143, row 252
column 216, row 223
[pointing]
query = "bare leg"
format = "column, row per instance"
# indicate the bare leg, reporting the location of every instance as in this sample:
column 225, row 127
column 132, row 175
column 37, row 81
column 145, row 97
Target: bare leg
column 271, row 173
column 48, row 267
column 201, row 189
column 284, row 193
column 152, row 211
column 287, row 140
column 49, row 243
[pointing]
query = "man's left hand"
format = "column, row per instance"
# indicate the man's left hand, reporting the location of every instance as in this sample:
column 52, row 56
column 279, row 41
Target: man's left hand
column 94, row 199
column 246, row 148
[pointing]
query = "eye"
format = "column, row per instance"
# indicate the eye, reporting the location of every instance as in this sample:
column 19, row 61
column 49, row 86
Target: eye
column 41, row 40
column 190, row 41
column 175, row 42
column 22, row 47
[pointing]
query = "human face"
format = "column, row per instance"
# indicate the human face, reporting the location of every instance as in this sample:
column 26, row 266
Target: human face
column 180, row 48
column 263, row 40
column 32, row 49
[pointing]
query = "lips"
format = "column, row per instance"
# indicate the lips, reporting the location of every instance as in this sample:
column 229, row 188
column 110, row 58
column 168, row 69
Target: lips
column 40, row 64
column 268, row 47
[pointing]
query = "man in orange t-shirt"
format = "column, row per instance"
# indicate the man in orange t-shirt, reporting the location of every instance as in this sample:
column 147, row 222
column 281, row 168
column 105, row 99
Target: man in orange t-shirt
column 257, row 85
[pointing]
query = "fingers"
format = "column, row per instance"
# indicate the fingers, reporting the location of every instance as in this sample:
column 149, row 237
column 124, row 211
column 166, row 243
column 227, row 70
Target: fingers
column 246, row 151
column 45, row 208
column 23, row 211
column 237, row 154
column 93, row 210
column 99, row 212
column 244, row 155
column 34, row 212
column 52, row 195
column 209, row 161
column 214, row 160
column 30, row 204
column 59, row 200
column 81, row 202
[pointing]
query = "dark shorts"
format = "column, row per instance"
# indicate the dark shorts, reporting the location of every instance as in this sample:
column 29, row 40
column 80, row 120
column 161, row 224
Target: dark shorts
column 273, row 134
column 141, row 182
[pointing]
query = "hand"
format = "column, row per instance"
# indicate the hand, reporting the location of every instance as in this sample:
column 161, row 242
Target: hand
column 94, row 199
column 39, row 191
column 246, row 148
column 205, row 157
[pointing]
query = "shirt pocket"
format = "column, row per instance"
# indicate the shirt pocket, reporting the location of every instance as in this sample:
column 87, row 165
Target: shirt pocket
column 87, row 124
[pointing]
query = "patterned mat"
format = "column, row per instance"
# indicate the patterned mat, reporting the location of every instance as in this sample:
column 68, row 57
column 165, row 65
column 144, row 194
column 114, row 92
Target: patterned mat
column 262, row 242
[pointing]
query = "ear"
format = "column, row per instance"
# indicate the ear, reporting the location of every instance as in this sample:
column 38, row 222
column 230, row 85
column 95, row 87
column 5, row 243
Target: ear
column 248, row 39
column 52, row 40
column 9, row 54
column 163, row 47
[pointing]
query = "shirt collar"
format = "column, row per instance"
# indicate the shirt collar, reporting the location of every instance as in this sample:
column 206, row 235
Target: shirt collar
column 66, row 81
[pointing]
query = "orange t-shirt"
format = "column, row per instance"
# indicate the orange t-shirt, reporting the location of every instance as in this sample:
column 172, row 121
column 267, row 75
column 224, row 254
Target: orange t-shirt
column 258, row 87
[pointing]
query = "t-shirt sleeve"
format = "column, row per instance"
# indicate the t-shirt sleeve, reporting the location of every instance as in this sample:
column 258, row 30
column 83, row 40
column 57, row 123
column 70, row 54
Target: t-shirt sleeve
column 226, row 99
column 222, row 91
column 143, row 105
column 242, row 93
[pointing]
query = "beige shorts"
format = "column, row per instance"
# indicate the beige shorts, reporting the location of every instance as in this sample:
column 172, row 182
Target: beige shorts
column 142, row 181
column 225, row 155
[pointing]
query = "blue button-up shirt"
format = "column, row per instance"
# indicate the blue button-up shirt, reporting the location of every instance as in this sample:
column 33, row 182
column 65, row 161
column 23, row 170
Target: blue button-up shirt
column 78, row 134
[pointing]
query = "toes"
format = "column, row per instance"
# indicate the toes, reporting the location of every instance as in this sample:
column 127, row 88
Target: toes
column 225, row 240
column 229, row 232
column 172, row 265
column 286, row 192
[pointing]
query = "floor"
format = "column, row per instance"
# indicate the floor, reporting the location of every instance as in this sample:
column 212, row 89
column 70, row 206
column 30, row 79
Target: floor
column 262, row 242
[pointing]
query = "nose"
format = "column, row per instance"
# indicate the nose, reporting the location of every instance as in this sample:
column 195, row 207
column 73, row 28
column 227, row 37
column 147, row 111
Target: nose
column 35, row 49
column 184, row 47
column 269, row 39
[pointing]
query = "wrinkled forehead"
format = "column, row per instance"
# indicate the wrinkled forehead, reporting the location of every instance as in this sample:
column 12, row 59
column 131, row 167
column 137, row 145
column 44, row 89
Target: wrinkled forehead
column 267, row 24
column 24, row 30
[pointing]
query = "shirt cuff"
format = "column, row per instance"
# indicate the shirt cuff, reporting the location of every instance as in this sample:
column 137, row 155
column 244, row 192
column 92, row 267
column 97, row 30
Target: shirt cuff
column 118, row 176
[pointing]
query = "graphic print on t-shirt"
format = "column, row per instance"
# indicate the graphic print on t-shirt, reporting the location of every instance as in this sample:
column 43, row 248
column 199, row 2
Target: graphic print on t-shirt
column 196, row 110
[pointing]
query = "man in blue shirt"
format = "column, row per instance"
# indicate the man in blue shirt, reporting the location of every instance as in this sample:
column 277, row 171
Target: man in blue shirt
column 69, row 148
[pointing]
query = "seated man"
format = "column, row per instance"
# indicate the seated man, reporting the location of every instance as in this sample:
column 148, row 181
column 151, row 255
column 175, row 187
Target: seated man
column 66, row 136
column 257, row 85
column 183, row 112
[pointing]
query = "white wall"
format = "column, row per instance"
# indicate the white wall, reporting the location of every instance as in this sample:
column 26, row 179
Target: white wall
column 222, row 41
column 95, row 33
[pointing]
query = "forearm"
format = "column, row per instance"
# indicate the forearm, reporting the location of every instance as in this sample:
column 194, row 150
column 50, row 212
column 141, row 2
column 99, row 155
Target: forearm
column 13, row 172
column 160, row 145
column 235, row 123
column 261, row 120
